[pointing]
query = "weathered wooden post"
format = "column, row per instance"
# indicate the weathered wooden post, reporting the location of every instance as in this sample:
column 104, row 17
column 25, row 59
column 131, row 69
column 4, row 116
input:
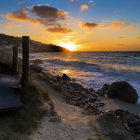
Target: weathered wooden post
column 25, row 60
column 15, row 59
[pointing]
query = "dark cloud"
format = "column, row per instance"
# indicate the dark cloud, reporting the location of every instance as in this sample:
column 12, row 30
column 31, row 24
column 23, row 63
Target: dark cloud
column 20, row 15
column 89, row 25
column 44, row 15
column 48, row 12
column 58, row 29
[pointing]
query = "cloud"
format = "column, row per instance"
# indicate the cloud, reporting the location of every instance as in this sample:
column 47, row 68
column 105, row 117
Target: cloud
column 84, row 7
column 117, row 25
column 90, row 1
column 48, row 12
column 138, row 37
column 58, row 29
column 45, row 15
column 2, row 15
column 119, row 44
column 112, row 25
column 20, row 15
column 122, row 37
column 89, row 25
column 13, row 25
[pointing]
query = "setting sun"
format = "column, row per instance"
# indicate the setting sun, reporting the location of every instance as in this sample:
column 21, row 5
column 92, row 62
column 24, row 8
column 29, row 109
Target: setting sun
column 70, row 45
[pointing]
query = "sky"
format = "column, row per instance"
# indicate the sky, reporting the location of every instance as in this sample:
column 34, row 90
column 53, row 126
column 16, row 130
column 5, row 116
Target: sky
column 79, row 25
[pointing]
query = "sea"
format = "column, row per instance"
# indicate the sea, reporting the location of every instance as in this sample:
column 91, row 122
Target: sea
column 94, row 69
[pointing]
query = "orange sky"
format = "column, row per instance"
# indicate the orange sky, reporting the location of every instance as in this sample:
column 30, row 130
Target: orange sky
column 80, row 25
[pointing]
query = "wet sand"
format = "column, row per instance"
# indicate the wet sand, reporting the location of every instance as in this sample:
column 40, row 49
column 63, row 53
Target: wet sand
column 113, row 104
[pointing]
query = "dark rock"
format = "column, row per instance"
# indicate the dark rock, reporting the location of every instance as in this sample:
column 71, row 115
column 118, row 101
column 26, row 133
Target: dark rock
column 35, row 68
column 57, row 86
column 65, row 77
column 100, row 92
column 138, row 137
column 36, row 61
column 131, row 119
column 105, row 87
column 123, row 91
column 97, row 112
column 119, row 112
column 76, row 86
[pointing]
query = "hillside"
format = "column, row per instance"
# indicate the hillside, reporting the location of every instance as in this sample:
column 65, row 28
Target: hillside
column 7, row 41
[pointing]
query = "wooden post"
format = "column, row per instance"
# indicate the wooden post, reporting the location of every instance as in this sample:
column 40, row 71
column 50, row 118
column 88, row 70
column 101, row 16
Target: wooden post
column 25, row 60
column 15, row 59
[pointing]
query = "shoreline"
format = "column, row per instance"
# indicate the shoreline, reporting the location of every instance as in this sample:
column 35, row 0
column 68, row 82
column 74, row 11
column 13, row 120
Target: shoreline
column 99, row 108
column 107, row 103
column 94, row 103
column 57, row 83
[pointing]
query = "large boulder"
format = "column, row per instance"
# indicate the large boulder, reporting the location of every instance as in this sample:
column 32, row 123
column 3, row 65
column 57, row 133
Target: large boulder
column 75, row 86
column 123, row 91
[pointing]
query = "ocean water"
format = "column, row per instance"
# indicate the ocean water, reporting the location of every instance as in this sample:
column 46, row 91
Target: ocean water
column 93, row 69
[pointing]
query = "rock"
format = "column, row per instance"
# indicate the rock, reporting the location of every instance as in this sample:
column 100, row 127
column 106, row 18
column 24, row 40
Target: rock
column 105, row 87
column 36, row 61
column 58, row 78
column 35, row 68
column 119, row 112
column 131, row 119
column 138, row 137
column 65, row 77
column 123, row 91
column 76, row 86
column 97, row 112
column 45, row 107
column 100, row 92
column 57, row 86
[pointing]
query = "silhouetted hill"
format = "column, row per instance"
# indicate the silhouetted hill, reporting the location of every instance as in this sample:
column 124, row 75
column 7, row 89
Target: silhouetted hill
column 7, row 41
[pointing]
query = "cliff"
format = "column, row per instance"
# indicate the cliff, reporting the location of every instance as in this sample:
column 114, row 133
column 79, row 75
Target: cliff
column 7, row 41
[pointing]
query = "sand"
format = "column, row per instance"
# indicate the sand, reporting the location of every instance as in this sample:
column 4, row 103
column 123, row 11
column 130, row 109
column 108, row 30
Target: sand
column 113, row 104
column 74, row 124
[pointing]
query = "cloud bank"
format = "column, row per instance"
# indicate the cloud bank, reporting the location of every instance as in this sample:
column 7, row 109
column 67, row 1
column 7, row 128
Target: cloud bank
column 45, row 15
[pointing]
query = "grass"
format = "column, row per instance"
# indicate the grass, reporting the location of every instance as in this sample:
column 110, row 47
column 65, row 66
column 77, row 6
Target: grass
column 90, row 138
column 111, row 128
column 17, row 125
column 55, row 118
column 6, row 62
column 98, row 133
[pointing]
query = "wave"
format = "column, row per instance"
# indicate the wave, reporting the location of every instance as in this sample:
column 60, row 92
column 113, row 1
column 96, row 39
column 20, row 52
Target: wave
column 88, row 67
column 80, row 65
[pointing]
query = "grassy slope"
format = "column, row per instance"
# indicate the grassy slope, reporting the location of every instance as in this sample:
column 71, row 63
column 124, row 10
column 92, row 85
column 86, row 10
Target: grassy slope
column 17, row 125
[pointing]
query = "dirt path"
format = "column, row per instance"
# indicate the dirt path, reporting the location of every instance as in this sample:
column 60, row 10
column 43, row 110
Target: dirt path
column 74, row 125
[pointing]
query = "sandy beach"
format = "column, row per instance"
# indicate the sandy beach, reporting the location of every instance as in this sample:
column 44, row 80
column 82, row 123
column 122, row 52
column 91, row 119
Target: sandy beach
column 74, row 124
column 113, row 104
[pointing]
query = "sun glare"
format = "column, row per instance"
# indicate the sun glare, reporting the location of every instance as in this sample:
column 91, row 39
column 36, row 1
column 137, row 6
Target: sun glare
column 70, row 45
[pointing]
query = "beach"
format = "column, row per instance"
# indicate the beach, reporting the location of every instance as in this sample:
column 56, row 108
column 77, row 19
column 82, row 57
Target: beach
column 93, row 69
column 74, row 117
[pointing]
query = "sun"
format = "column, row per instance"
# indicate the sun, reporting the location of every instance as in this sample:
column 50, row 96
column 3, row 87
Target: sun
column 70, row 45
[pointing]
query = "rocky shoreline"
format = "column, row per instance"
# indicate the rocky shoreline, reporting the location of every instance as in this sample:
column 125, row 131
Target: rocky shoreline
column 89, row 99
column 75, row 94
